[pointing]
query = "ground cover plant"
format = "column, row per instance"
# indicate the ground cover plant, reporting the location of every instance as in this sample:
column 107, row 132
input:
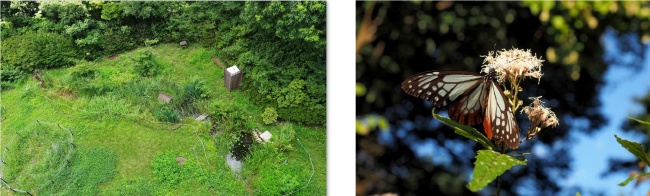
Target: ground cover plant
column 98, row 128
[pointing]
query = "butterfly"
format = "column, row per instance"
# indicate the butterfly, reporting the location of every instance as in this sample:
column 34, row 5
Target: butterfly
column 472, row 98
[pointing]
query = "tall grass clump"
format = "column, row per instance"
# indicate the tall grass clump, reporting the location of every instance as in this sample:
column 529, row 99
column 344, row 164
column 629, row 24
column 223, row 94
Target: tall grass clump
column 167, row 114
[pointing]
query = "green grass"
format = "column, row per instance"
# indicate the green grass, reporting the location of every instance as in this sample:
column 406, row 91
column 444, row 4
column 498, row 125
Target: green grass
column 120, row 147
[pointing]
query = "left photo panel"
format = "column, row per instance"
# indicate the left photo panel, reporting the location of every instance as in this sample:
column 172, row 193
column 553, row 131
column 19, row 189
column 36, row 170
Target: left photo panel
column 163, row 98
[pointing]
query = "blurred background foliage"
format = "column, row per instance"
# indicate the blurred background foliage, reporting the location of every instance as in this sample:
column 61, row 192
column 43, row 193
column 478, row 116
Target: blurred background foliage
column 279, row 45
column 399, row 39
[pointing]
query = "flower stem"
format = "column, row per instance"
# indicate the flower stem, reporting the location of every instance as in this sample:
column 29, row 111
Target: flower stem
column 503, row 151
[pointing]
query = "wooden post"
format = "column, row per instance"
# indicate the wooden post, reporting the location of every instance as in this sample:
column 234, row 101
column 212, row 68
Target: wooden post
column 232, row 77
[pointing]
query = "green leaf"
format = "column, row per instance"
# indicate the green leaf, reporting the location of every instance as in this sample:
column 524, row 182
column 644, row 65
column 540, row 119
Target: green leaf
column 635, row 148
column 466, row 131
column 628, row 180
column 639, row 121
column 490, row 164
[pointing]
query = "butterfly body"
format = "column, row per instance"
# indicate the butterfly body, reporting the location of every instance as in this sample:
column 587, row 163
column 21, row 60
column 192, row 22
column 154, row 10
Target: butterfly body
column 472, row 98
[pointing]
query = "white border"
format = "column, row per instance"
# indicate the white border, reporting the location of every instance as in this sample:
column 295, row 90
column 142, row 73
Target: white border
column 341, row 68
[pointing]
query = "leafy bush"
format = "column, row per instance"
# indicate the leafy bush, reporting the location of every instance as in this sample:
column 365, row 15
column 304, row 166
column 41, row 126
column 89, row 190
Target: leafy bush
column 167, row 114
column 111, row 10
column 276, row 179
column 269, row 116
column 194, row 90
column 273, row 175
column 316, row 115
column 37, row 50
column 293, row 95
column 150, row 42
column 115, row 39
column 168, row 172
column 291, row 80
column 188, row 94
column 84, row 78
column 84, row 73
column 221, row 109
column 146, row 64
column 10, row 76
column 284, row 137
column 64, row 13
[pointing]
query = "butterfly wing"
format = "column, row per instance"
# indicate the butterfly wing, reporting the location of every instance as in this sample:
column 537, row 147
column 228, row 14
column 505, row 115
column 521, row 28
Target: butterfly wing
column 463, row 91
column 499, row 117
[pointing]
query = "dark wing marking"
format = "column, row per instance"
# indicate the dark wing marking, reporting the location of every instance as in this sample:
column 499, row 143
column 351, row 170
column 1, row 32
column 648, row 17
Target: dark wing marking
column 500, row 119
column 469, row 108
column 463, row 90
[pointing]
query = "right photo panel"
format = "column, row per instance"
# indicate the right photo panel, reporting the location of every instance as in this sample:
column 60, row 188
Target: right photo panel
column 502, row 98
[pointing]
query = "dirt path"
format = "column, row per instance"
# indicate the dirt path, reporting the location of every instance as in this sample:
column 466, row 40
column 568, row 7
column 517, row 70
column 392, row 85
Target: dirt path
column 217, row 61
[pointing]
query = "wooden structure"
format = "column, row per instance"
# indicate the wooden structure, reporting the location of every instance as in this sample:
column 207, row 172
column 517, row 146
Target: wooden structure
column 232, row 77
column 202, row 117
column 184, row 44
column 164, row 98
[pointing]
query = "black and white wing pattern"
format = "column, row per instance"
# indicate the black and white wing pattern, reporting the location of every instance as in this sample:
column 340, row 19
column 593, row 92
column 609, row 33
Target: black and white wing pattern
column 464, row 91
column 472, row 99
column 500, row 119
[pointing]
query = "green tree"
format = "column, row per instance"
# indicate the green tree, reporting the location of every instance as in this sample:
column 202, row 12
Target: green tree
column 112, row 10
column 278, row 43
column 65, row 13
column 37, row 50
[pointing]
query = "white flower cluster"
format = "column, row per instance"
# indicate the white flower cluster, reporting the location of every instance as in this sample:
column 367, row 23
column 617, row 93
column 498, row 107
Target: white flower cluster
column 540, row 116
column 514, row 65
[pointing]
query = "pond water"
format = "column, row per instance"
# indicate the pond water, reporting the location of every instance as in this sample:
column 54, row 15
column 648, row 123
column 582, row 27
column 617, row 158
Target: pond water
column 242, row 147
column 238, row 152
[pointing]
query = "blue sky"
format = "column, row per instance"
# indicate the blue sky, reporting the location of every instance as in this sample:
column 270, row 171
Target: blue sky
column 591, row 153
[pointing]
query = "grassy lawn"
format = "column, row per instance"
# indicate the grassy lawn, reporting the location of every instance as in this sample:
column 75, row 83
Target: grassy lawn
column 120, row 148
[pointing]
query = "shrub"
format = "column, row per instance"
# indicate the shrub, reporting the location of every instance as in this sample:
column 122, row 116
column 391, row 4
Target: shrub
column 194, row 90
column 150, row 42
column 284, row 137
column 115, row 39
column 37, row 50
column 188, row 94
column 273, row 175
column 168, row 172
column 83, row 78
column 221, row 109
column 269, row 116
column 293, row 95
column 83, row 72
column 276, row 179
column 10, row 76
column 112, row 10
column 146, row 64
column 167, row 114
column 64, row 13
